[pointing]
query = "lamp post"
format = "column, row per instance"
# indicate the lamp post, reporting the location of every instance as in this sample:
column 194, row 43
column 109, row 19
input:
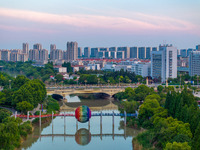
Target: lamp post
column 9, row 84
column 180, row 80
column 119, row 81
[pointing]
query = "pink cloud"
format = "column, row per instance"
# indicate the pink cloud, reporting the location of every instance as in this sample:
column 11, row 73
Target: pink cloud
column 137, row 22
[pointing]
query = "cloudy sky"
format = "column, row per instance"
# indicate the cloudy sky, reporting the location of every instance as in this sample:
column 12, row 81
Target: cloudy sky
column 99, row 23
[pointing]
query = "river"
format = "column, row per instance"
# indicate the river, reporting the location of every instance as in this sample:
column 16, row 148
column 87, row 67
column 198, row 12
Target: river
column 58, row 135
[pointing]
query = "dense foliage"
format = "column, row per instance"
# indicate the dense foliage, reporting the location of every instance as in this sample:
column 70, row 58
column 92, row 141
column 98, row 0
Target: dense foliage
column 27, row 69
column 12, row 130
column 24, row 95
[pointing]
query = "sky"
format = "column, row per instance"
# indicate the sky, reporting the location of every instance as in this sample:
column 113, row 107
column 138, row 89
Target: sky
column 99, row 23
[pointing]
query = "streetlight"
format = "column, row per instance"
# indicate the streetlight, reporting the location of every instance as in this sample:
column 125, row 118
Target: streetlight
column 119, row 81
column 9, row 84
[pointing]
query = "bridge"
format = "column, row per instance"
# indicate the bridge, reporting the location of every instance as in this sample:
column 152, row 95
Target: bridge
column 67, row 91
column 100, row 134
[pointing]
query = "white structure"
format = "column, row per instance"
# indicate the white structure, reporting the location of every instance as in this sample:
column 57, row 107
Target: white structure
column 143, row 69
column 194, row 63
column 60, row 69
column 123, row 67
column 164, row 63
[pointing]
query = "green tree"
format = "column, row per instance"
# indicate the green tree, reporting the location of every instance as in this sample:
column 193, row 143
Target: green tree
column 19, row 81
column 177, row 146
column 68, row 65
column 24, row 106
column 160, row 88
column 59, row 77
column 196, row 139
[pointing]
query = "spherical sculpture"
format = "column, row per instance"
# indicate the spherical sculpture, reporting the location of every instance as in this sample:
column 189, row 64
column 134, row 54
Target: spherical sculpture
column 83, row 114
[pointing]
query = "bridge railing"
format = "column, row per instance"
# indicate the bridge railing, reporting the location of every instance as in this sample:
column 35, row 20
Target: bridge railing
column 70, row 115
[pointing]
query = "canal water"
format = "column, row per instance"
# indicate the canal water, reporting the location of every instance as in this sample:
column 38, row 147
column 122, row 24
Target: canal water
column 58, row 135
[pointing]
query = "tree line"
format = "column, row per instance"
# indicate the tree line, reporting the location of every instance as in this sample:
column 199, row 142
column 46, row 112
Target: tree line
column 172, row 118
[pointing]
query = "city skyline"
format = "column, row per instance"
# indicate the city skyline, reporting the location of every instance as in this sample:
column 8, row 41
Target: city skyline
column 100, row 24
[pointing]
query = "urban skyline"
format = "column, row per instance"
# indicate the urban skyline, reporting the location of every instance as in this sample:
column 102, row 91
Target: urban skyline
column 105, row 23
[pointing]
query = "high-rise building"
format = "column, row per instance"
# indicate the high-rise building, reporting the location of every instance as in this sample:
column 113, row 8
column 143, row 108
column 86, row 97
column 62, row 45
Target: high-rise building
column 154, row 49
column 58, row 54
column 94, row 52
column 142, row 52
column 43, row 55
column 198, row 47
column 120, row 54
column 87, row 52
column 25, row 47
column 52, row 51
column 113, row 49
column 113, row 54
column 107, row 54
column 194, row 63
column 164, row 63
column 183, row 52
column 126, row 51
column 189, row 51
column 34, row 54
column 5, row 55
column 23, row 57
column 79, row 52
column 14, row 57
column 101, row 54
column 133, row 52
column 72, row 51
column 37, row 46
column 148, row 52
column 103, row 49
column 52, row 47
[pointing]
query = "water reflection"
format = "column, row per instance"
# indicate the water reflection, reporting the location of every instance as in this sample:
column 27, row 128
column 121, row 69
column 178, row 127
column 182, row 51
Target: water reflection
column 83, row 137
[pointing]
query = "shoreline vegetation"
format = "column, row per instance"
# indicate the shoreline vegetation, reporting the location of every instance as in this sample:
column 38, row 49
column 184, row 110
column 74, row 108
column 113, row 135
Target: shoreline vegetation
column 171, row 119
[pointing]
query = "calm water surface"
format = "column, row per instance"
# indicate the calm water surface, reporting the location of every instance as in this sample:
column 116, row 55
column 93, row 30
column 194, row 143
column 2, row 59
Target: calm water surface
column 51, row 135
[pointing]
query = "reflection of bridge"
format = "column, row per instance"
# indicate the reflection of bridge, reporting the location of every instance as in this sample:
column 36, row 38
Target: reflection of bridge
column 64, row 92
column 110, row 106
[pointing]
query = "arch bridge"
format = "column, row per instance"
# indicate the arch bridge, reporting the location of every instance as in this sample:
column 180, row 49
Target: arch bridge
column 64, row 92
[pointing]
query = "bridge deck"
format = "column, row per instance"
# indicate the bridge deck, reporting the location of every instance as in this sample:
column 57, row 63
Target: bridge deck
column 71, row 115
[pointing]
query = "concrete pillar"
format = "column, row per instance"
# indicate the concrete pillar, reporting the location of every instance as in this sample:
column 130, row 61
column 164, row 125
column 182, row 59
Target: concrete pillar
column 101, row 119
column 15, row 114
column 64, row 127
column 28, row 115
column 52, row 118
column 89, row 125
column 40, row 119
column 124, row 118
column 113, row 126
column 76, row 125
column 125, row 132
column 101, row 125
